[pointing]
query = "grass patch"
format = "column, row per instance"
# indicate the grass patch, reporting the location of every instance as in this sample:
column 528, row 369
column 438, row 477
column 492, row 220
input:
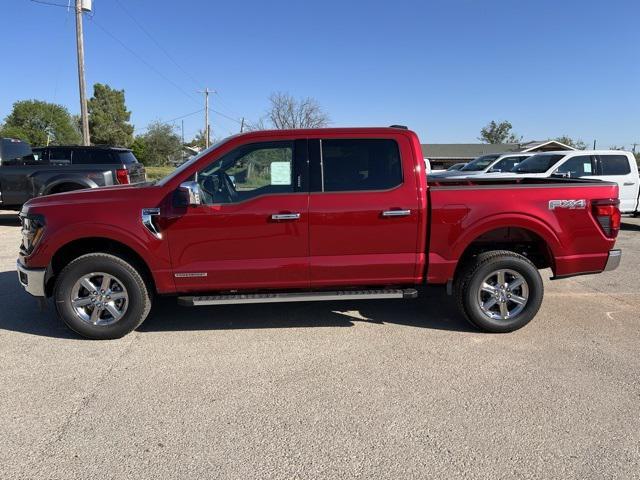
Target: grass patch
column 156, row 173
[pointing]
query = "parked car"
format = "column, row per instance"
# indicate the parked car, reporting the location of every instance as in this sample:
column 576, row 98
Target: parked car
column 493, row 163
column 318, row 214
column 56, row 169
column 609, row 165
column 456, row 166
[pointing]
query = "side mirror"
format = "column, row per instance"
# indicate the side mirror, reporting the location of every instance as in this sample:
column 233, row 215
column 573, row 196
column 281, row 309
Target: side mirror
column 561, row 174
column 495, row 170
column 191, row 192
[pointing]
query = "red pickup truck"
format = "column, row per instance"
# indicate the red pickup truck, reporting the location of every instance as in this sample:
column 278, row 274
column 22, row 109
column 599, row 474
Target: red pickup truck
column 308, row 215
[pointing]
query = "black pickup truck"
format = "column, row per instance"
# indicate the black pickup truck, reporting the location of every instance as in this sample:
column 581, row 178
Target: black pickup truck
column 26, row 173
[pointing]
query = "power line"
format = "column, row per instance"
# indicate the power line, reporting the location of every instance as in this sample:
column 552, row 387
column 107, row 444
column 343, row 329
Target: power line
column 51, row 4
column 173, row 60
column 139, row 57
column 173, row 119
column 162, row 49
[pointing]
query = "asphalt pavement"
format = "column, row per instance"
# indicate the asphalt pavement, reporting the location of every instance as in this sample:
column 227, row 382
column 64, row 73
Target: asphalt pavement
column 380, row 389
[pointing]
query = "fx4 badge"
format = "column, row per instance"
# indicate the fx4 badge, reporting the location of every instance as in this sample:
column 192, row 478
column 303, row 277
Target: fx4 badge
column 569, row 204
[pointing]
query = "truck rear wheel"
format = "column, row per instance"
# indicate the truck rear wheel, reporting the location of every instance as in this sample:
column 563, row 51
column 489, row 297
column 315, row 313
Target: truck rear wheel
column 499, row 291
column 101, row 296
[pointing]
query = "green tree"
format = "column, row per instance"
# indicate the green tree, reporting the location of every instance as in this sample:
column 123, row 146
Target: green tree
column 198, row 140
column 501, row 132
column 567, row 140
column 139, row 148
column 159, row 145
column 35, row 121
column 109, row 117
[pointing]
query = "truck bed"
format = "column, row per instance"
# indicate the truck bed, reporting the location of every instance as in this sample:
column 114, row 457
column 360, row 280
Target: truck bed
column 555, row 212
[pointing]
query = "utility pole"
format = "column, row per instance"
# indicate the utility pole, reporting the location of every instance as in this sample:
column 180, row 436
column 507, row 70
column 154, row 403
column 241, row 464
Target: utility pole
column 594, row 144
column 242, row 125
column 207, row 129
column 182, row 149
column 84, row 113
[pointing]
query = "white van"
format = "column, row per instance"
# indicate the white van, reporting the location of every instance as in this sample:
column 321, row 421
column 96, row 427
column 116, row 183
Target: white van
column 609, row 165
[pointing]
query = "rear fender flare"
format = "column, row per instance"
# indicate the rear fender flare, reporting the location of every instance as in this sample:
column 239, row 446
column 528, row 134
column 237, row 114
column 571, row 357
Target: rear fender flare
column 58, row 180
column 526, row 222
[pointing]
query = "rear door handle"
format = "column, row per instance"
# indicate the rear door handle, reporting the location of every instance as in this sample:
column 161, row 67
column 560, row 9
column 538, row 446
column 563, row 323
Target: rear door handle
column 285, row 216
column 629, row 184
column 396, row 213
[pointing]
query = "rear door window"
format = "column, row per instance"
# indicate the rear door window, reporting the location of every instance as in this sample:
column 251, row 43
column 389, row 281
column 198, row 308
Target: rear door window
column 614, row 165
column 90, row 156
column 125, row 157
column 576, row 167
column 360, row 164
column 60, row 156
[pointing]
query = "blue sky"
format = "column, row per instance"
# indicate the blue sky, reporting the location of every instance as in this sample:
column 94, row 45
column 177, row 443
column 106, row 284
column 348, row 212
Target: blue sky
column 444, row 68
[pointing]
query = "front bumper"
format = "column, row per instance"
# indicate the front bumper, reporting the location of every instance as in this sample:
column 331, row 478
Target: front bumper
column 613, row 261
column 32, row 279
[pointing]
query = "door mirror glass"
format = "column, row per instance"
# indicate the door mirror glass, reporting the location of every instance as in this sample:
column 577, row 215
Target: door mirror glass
column 191, row 193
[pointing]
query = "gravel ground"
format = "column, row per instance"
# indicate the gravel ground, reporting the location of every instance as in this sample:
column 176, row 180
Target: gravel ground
column 385, row 389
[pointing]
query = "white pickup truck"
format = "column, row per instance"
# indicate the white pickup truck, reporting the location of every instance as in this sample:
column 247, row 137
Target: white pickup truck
column 607, row 165
column 491, row 163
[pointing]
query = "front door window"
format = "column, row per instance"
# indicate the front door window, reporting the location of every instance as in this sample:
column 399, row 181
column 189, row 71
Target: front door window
column 248, row 172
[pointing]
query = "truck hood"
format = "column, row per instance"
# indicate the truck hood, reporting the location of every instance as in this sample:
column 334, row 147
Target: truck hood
column 118, row 194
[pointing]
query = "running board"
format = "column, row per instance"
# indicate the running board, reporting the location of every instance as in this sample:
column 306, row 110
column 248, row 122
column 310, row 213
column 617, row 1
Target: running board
column 231, row 299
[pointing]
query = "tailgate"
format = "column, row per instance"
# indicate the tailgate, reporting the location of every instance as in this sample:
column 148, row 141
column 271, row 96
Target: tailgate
column 137, row 173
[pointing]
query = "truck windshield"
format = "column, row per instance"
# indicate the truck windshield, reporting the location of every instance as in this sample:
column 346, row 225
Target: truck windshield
column 191, row 161
column 479, row 163
column 538, row 163
column 12, row 151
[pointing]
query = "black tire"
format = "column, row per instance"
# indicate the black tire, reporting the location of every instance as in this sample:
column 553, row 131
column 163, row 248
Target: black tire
column 138, row 300
column 468, row 282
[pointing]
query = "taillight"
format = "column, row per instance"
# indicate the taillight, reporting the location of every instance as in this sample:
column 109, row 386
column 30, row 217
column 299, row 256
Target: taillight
column 122, row 175
column 607, row 214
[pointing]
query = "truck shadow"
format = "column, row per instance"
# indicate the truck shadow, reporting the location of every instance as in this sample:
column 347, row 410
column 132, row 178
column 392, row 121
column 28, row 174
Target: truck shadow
column 633, row 227
column 431, row 310
column 21, row 313
column 9, row 218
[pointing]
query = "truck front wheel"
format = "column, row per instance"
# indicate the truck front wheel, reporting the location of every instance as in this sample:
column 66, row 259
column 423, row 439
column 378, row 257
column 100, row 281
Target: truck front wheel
column 101, row 296
column 499, row 291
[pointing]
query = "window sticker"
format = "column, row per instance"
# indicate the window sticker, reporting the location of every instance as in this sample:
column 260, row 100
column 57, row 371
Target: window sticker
column 280, row 173
column 587, row 167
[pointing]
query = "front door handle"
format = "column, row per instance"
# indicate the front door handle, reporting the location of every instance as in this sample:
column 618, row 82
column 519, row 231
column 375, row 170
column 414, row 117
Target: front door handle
column 396, row 213
column 629, row 184
column 285, row 216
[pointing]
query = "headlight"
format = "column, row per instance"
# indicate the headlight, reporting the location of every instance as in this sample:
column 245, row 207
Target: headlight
column 32, row 229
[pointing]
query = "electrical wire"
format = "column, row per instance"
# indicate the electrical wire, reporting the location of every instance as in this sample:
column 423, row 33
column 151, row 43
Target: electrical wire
column 162, row 49
column 141, row 58
column 168, row 122
column 51, row 4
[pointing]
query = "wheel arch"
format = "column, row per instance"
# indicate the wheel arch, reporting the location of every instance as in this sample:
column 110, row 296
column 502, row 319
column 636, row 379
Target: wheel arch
column 56, row 182
column 525, row 235
column 76, row 248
